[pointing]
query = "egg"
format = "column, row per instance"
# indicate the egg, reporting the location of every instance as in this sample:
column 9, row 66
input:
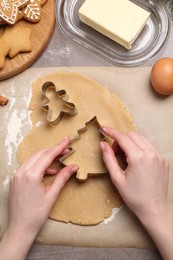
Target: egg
column 162, row 76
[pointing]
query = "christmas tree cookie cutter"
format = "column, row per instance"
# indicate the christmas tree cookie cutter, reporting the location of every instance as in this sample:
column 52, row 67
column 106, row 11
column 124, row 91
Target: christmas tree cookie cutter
column 71, row 109
column 81, row 175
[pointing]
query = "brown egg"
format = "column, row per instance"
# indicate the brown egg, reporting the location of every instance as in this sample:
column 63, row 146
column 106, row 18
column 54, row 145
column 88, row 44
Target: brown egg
column 162, row 76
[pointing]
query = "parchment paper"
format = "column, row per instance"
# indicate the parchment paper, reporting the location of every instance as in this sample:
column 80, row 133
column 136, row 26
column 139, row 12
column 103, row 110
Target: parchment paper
column 153, row 118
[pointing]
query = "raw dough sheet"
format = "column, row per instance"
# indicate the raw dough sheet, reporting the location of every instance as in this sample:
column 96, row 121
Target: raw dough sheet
column 90, row 202
column 153, row 117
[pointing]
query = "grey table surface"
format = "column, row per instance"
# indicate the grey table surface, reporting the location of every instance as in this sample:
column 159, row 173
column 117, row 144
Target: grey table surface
column 64, row 52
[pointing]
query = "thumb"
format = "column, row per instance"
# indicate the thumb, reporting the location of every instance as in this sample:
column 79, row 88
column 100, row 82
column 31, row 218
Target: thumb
column 111, row 163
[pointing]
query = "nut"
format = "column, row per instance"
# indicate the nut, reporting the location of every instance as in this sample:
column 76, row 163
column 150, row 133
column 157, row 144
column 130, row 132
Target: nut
column 3, row 101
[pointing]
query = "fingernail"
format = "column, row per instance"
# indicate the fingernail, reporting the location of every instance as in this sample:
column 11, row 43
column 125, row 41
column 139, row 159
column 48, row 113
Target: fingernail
column 104, row 128
column 75, row 168
column 65, row 138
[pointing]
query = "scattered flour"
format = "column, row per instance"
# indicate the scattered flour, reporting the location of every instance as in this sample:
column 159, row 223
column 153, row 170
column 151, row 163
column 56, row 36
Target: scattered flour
column 63, row 52
column 14, row 132
column 38, row 124
column 114, row 212
column 6, row 183
column 16, row 120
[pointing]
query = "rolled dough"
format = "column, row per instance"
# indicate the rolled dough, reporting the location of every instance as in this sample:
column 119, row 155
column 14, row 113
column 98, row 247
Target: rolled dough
column 89, row 202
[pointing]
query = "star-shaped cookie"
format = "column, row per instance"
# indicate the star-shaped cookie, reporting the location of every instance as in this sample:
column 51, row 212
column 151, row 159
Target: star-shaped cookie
column 9, row 9
column 4, row 50
column 22, row 42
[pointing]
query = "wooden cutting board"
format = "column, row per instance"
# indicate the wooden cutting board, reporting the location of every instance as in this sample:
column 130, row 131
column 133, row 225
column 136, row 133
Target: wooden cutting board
column 41, row 35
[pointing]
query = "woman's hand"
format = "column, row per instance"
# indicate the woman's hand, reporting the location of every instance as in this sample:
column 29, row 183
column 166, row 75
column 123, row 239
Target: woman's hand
column 31, row 201
column 144, row 183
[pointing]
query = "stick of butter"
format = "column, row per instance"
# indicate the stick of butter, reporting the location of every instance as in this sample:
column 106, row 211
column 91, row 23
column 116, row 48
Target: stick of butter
column 119, row 20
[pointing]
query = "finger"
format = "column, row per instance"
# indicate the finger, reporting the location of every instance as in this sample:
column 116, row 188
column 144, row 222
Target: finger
column 116, row 173
column 138, row 140
column 48, row 157
column 143, row 143
column 61, row 179
column 123, row 140
column 67, row 150
column 152, row 148
column 31, row 160
column 34, row 157
column 51, row 171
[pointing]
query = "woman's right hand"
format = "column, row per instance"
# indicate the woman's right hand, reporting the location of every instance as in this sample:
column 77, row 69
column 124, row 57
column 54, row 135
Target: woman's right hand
column 144, row 183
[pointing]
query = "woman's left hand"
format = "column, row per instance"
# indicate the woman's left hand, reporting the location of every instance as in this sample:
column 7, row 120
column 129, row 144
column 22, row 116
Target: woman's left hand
column 30, row 200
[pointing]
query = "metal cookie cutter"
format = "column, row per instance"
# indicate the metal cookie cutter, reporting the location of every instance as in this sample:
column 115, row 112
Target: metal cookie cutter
column 71, row 108
column 81, row 175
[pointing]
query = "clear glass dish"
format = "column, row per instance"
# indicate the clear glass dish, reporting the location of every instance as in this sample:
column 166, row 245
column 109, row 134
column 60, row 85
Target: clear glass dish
column 148, row 43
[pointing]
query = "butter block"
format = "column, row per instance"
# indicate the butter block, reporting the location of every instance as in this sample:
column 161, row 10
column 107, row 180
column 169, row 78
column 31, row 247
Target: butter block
column 120, row 20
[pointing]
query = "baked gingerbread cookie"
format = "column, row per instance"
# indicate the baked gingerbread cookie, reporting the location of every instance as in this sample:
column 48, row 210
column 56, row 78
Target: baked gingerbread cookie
column 9, row 10
column 13, row 37
column 14, row 40
column 22, row 42
column 4, row 50
column 32, row 11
